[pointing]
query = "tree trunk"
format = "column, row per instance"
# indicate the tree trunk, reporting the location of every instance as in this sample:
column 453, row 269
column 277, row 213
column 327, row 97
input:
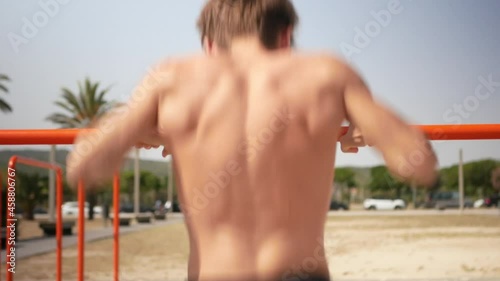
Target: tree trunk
column 92, row 199
column 28, row 211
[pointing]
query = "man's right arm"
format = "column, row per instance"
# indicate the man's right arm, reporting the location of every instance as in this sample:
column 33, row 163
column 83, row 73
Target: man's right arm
column 405, row 149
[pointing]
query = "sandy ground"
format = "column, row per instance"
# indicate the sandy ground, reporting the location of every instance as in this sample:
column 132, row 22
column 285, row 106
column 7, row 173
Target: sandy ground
column 358, row 248
column 31, row 229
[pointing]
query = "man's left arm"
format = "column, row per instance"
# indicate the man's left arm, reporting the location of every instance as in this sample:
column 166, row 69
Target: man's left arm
column 99, row 153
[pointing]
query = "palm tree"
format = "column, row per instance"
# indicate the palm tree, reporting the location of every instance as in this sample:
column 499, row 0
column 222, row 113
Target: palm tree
column 82, row 110
column 4, row 106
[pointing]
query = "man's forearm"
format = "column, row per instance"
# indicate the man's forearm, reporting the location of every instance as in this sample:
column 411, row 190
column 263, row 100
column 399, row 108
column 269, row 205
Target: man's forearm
column 95, row 157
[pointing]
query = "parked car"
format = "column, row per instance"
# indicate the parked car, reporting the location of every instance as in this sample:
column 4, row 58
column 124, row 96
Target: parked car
column 40, row 210
column 176, row 207
column 442, row 200
column 479, row 203
column 129, row 208
column 335, row 206
column 71, row 208
column 384, row 204
column 492, row 201
column 167, row 205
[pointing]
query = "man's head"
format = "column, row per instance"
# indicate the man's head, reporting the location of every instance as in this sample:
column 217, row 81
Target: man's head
column 272, row 21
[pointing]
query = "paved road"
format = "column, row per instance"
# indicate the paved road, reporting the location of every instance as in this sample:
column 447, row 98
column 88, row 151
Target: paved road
column 42, row 245
column 411, row 212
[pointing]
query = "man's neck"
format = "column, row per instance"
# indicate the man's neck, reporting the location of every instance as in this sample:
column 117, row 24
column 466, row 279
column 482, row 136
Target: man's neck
column 246, row 46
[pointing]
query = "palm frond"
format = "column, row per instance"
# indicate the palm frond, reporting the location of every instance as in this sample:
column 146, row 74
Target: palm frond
column 71, row 99
column 4, row 106
column 4, row 88
column 4, row 78
column 64, row 120
column 82, row 109
column 102, row 94
column 86, row 98
column 64, row 106
column 73, row 102
column 93, row 103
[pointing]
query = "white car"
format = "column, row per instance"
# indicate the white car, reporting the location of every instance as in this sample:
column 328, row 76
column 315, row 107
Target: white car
column 384, row 204
column 71, row 208
column 479, row 203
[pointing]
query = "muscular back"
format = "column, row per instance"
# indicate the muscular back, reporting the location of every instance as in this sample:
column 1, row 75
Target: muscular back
column 253, row 138
column 254, row 146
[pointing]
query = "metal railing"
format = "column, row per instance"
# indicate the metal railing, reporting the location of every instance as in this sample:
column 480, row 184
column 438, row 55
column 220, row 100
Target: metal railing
column 67, row 137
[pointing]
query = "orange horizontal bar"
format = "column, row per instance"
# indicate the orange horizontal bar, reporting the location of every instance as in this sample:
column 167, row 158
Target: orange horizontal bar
column 38, row 136
column 36, row 163
column 462, row 132
column 433, row 132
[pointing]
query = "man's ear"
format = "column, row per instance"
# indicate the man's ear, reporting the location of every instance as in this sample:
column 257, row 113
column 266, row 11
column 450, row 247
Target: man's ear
column 285, row 38
column 207, row 45
column 210, row 47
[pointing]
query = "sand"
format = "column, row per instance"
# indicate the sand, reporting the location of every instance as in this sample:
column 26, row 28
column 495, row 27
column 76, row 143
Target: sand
column 358, row 248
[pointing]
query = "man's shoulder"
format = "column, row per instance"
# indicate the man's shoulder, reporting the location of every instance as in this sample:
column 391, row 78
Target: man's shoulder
column 323, row 58
column 172, row 70
column 172, row 62
column 325, row 64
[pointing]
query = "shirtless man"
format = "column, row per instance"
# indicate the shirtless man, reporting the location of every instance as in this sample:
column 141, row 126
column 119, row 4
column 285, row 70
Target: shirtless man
column 252, row 127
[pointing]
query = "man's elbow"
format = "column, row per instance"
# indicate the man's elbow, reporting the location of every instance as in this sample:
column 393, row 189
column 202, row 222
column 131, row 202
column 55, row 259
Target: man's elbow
column 427, row 174
column 419, row 166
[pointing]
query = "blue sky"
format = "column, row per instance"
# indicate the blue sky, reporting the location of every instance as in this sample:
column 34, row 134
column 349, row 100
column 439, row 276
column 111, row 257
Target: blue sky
column 422, row 61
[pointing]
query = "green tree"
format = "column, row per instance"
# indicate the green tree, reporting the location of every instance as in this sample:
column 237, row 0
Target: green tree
column 345, row 176
column 147, row 182
column 150, row 182
column 495, row 179
column 384, row 184
column 127, row 183
column 31, row 190
column 4, row 106
column 477, row 176
column 449, row 178
column 344, row 180
column 82, row 110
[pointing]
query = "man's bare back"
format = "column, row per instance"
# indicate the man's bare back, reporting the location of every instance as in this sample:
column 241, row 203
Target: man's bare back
column 252, row 129
column 253, row 134
column 253, row 138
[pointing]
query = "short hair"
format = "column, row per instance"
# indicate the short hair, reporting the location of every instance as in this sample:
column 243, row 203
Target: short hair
column 223, row 20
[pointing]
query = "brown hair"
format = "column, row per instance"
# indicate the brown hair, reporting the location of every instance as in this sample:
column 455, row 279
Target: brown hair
column 222, row 20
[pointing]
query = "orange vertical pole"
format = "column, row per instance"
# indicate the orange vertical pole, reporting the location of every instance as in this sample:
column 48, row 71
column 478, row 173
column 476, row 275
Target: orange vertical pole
column 1, row 191
column 11, row 181
column 81, row 230
column 59, row 224
column 116, row 225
